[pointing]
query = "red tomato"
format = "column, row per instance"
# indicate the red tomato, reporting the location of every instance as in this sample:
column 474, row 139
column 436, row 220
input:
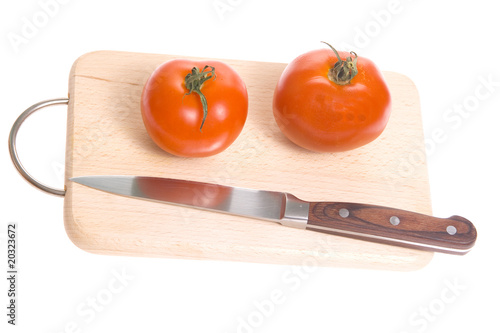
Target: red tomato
column 329, row 103
column 194, row 108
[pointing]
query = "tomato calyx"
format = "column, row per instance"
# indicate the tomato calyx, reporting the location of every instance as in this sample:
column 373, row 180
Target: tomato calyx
column 194, row 82
column 344, row 70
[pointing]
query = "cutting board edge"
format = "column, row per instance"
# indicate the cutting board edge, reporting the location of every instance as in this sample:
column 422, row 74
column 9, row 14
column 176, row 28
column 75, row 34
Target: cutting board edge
column 90, row 54
column 402, row 263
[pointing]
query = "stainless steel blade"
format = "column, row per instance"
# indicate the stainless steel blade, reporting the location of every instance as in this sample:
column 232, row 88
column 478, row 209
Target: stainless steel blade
column 268, row 205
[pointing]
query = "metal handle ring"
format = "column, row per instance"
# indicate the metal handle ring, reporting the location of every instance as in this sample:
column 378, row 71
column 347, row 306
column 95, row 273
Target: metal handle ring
column 12, row 144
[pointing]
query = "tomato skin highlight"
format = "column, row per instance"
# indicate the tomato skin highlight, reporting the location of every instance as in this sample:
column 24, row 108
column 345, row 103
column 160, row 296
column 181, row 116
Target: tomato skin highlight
column 172, row 118
column 320, row 115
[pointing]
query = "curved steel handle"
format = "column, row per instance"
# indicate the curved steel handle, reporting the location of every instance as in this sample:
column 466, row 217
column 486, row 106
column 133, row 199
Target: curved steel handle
column 13, row 150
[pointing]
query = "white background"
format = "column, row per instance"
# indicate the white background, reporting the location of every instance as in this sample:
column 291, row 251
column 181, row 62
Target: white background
column 445, row 47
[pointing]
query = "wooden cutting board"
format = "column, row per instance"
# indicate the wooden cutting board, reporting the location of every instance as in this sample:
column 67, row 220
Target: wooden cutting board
column 106, row 136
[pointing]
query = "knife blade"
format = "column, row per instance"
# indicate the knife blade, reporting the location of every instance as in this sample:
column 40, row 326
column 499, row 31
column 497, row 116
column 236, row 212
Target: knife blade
column 454, row 235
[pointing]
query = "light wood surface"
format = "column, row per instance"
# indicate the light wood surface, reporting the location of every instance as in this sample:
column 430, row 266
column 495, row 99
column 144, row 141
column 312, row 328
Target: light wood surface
column 105, row 136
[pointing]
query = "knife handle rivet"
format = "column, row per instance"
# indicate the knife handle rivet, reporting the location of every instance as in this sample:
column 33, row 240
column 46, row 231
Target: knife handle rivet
column 451, row 230
column 344, row 212
column 394, row 220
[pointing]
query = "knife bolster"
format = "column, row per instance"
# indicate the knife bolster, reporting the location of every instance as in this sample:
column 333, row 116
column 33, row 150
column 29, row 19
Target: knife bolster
column 295, row 212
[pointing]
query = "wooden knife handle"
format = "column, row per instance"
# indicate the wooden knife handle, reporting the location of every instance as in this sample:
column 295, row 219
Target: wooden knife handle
column 455, row 235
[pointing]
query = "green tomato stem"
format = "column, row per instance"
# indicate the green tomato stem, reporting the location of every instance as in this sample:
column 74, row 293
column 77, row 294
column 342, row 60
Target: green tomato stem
column 344, row 70
column 194, row 82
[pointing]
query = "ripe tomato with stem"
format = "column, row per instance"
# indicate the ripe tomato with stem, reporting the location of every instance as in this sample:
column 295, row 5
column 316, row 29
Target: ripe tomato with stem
column 329, row 101
column 194, row 108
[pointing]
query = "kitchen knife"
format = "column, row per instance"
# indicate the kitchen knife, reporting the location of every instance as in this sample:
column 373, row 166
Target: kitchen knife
column 454, row 235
